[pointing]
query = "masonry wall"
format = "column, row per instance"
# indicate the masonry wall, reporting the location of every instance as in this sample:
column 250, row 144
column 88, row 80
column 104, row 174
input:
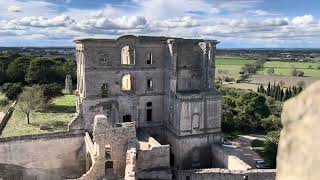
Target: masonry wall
column 224, row 174
column 192, row 151
column 60, row 153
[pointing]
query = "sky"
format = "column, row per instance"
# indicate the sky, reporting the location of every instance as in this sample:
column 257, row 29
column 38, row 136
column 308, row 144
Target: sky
column 235, row 23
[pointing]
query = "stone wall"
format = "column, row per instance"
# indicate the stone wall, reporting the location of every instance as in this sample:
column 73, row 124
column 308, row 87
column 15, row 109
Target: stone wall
column 131, row 160
column 226, row 157
column 58, row 153
column 225, row 174
column 298, row 152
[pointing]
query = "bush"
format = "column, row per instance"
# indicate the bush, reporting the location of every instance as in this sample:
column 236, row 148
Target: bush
column 271, row 123
column 4, row 102
column 12, row 90
column 271, row 71
column 51, row 90
column 271, row 146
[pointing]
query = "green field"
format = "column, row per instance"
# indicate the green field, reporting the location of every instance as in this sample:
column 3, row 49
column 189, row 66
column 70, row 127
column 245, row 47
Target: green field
column 231, row 66
column 291, row 65
column 56, row 115
column 287, row 72
column 234, row 61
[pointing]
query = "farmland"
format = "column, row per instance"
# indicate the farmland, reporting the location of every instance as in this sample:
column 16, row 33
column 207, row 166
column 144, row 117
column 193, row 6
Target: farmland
column 285, row 68
column 231, row 66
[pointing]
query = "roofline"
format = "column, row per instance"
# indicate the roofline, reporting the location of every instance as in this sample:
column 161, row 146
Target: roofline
column 156, row 38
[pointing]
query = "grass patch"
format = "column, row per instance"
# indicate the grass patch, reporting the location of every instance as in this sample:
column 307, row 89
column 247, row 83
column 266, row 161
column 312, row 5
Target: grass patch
column 287, row 72
column 234, row 61
column 56, row 116
column 291, row 65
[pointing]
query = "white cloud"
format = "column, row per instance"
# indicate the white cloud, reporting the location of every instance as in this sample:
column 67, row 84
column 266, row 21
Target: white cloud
column 303, row 20
column 14, row 9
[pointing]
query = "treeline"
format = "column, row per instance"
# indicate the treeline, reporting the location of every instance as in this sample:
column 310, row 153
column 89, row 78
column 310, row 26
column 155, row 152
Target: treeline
column 17, row 71
column 251, row 69
column 249, row 111
column 280, row 93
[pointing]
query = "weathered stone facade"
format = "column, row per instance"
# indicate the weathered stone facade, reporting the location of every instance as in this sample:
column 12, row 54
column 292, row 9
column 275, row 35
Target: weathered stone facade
column 164, row 85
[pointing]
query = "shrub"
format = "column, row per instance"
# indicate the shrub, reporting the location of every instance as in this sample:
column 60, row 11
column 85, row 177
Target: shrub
column 271, row 71
column 11, row 90
column 51, row 90
column 4, row 102
column 271, row 146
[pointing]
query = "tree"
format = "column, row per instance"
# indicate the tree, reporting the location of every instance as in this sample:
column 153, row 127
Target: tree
column 271, row 146
column 51, row 90
column 253, row 104
column 11, row 90
column 17, row 69
column 271, row 71
column 4, row 62
column 42, row 71
column 271, row 123
column 269, row 89
column 30, row 100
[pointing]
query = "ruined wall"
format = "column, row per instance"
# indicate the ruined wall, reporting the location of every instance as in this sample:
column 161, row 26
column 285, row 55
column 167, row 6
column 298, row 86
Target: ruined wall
column 298, row 152
column 224, row 174
column 192, row 151
column 223, row 157
column 61, row 153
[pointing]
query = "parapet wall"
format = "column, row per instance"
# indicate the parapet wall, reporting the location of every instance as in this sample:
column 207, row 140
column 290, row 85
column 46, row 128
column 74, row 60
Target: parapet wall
column 225, row 174
column 57, row 153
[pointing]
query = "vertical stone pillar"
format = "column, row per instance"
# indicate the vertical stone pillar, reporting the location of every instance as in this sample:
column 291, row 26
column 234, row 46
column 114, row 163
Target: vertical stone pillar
column 68, row 85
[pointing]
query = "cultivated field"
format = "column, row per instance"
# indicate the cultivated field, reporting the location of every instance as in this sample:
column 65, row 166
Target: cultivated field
column 56, row 116
column 285, row 68
column 231, row 66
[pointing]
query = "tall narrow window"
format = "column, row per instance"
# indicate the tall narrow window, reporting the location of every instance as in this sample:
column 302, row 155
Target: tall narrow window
column 127, row 55
column 104, row 90
column 149, row 84
column 127, row 83
column 149, row 58
column 149, row 111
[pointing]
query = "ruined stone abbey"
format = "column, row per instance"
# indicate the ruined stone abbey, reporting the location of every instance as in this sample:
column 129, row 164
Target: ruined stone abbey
column 147, row 108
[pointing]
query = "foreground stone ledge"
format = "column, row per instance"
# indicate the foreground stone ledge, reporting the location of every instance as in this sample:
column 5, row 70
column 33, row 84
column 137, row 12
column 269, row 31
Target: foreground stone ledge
column 298, row 152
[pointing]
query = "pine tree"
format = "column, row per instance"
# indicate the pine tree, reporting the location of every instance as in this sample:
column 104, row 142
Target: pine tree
column 281, row 95
column 286, row 95
column 269, row 89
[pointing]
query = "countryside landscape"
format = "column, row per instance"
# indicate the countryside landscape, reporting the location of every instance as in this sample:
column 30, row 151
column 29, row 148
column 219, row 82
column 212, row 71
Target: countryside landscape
column 159, row 90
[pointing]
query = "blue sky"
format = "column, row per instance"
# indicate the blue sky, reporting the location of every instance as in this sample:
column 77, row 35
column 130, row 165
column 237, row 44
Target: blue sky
column 236, row 23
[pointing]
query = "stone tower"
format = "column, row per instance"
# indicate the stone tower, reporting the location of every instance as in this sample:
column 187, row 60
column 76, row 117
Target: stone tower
column 193, row 103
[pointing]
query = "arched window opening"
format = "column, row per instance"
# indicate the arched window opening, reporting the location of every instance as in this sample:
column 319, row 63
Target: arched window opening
column 127, row 83
column 149, row 84
column 127, row 118
column 149, row 58
column 149, row 111
column 127, row 55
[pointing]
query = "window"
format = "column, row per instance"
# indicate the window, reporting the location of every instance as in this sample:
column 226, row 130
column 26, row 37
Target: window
column 187, row 177
column 104, row 90
column 149, row 84
column 127, row 55
column 127, row 83
column 149, row 58
column 149, row 111
column 103, row 59
column 126, row 118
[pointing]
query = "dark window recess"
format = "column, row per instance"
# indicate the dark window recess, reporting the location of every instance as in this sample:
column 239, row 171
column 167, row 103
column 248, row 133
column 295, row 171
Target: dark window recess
column 104, row 90
column 149, row 58
column 149, row 83
column 149, row 111
column 109, row 164
column 187, row 177
column 127, row 118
